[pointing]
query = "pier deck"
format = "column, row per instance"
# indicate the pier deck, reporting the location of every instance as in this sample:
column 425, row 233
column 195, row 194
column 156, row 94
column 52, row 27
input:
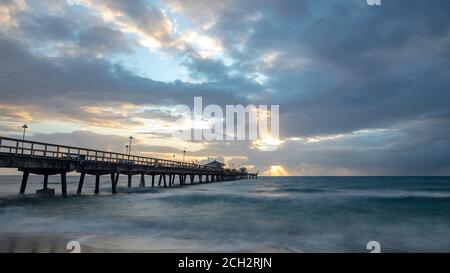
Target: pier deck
column 31, row 157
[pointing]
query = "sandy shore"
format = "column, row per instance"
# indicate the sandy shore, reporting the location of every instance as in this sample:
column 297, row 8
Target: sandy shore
column 41, row 243
column 38, row 243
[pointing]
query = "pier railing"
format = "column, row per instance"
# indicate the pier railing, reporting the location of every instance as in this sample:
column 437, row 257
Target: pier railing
column 62, row 152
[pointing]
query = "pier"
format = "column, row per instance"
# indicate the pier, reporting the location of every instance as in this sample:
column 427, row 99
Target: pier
column 45, row 159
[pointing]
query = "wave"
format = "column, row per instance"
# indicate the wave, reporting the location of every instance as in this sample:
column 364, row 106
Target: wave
column 395, row 194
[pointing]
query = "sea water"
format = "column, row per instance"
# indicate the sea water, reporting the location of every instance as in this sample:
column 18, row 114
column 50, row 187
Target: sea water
column 271, row 214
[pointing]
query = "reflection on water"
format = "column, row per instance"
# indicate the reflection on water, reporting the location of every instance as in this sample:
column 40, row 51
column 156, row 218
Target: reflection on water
column 310, row 214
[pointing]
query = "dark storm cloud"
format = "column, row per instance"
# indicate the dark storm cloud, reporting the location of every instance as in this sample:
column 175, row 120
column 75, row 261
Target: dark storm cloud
column 219, row 76
column 64, row 84
column 89, row 37
column 213, row 70
column 365, row 67
column 48, row 27
column 76, row 76
column 104, row 40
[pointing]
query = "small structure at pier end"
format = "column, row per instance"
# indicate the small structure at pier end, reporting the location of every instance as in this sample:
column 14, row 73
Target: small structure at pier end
column 215, row 165
column 31, row 157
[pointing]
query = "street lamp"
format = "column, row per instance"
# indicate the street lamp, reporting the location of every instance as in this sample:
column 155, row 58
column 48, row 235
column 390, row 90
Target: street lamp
column 126, row 149
column 129, row 148
column 184, row 153
column 25, row 127
column 173, row 157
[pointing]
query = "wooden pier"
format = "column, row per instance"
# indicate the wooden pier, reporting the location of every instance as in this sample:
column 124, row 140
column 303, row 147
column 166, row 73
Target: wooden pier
column 47, row 159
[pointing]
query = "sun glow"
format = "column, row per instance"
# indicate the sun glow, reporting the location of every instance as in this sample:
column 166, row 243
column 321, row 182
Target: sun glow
column 276, row 170
column 267, row 143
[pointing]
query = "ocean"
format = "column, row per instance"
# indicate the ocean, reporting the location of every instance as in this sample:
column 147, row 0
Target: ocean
column 271, row 214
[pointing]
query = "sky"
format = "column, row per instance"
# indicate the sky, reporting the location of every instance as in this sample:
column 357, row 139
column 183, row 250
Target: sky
column 362, row 90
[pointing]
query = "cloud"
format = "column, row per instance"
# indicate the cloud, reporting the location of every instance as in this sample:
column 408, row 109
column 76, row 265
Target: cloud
column 361, row 90
column 139, row 17
column 69, row 33
column 105, row 142
column 65, row 85
column 9, row 10
column 342, row 66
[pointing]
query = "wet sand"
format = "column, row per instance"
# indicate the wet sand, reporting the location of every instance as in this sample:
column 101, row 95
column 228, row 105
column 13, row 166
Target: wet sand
column 39, row 243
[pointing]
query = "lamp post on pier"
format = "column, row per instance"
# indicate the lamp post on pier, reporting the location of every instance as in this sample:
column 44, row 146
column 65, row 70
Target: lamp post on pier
column 129, row 148
column 25, row 127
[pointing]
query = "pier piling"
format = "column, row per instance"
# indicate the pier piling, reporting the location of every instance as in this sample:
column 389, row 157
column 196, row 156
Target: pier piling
column 23, row 185
column 116, row 181
column 129, row 180
column 160, row 178
column 80, row 183
column 63, row 184
column 97, row 184
column 142, row 182
column 45, row 182
column 113, row 183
